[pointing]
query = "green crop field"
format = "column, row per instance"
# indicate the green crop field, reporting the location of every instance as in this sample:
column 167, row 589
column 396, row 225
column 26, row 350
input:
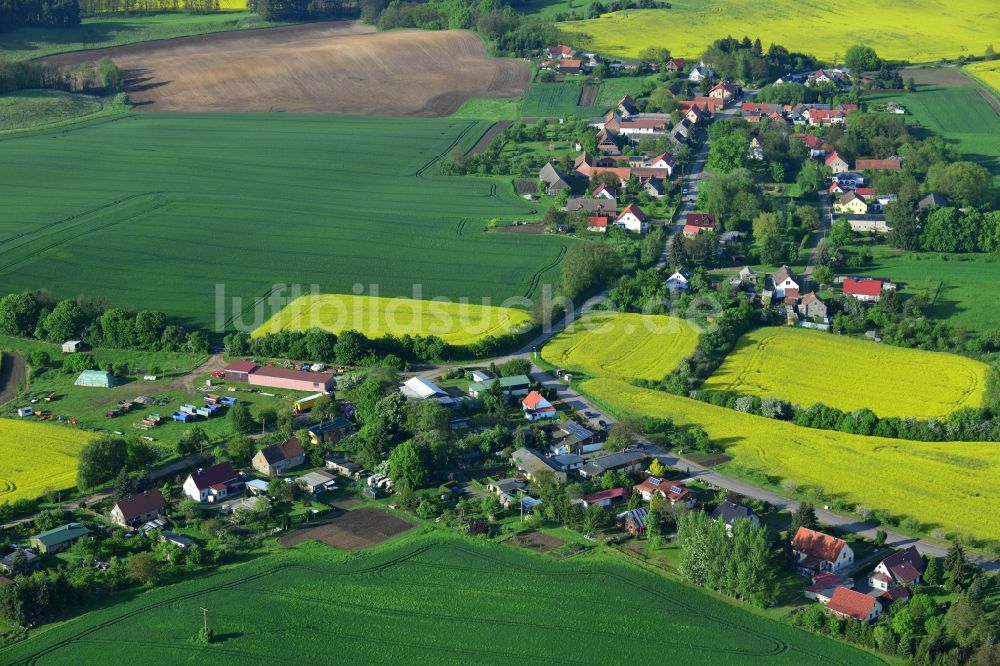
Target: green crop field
column 806, row 367
column 99, row 33
column 547, row 100
column 437, row 598
column 37, row 108
column 917, row 32
column 963, row 288
column 958, row 498
column 181, row 212
column 974, row 132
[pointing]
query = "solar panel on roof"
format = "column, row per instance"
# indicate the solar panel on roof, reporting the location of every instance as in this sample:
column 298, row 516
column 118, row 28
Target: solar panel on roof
column 677, row 490
column 653, row 481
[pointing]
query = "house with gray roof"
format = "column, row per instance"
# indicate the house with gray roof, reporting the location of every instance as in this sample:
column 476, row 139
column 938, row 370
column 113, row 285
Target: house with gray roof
column 630, row 461
column 530, row 462
column 730, row 512
column 554, row 181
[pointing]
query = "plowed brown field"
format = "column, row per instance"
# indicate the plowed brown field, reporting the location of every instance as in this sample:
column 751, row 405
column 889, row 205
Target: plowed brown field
column 342, row 67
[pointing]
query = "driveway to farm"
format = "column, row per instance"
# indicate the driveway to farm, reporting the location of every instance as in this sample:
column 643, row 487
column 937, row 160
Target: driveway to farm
column 825, row 222
column 186, row 382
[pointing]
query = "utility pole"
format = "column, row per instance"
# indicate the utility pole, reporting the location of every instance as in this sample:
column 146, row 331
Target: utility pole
column 520, row 500
column 204, row 612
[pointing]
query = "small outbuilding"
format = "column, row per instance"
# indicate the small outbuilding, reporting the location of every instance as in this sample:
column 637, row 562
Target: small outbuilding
column 72, row 346
column 96, row 378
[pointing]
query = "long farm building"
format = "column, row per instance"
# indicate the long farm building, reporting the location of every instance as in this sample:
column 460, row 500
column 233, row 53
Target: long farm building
column 295, row 380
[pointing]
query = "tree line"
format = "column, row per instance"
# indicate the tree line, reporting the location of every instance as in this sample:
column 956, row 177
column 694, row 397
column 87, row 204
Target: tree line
column 39, row 13
column 103, row 77
column 36, row 314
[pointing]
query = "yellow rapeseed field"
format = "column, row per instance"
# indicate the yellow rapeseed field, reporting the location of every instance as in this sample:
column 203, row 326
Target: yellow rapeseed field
column 35, row 457
column 233, row 5
column 943, row 484
column 806, row 367
column 919, row 31
column 987, row 72
column 455, row 323
column 624, row 346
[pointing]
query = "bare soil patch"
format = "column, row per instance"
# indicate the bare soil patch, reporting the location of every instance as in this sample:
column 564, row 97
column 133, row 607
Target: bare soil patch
column 353, row 530
column 589, row 96
column 346, row 503
column 523, row 187
column 12, row 373
column 342, row 67
column 486, row 139
column 536, row 541
column 938, row 77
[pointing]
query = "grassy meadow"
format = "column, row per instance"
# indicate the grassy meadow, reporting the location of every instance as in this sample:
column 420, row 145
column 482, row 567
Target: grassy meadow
column 805, row 367
column 37, row 457
column 181, row 212
column 974, row 132
column 428, row 598
column 455, row 323
column 962, row 288
column 623, row 346
column 99, row 33
column 38, row 108
column 951, row 485
column 917, row 32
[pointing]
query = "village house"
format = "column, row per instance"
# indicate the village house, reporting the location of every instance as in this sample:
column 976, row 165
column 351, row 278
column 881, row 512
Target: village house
column 850, row 203
column 605, row 191
column 138, row 509
column 571, row 437
column 867, row 290
column 679, row 281
column 605, row 498
column 824, row 584
column 785, row 283
column 811, row 307
column 836, row 163
column 626, row 107
column 516, row 385
column 561, row 51
column 889, row 164
column 698, row 223
column 729, row 512
column 599, row 223
column 59, row 538
column 673, row 492
column 847, row 603
column 607, row 143
column 342, row 466
column 632, row 219
column 813, row 143
column 745, row 278
column 597, row 207
column 904, row 567
column 331, row 430
column 536, row 408
column 848, row 180
column 630, row 461
column 213, row 483
column 932, row 201
column 817, row 551
column 318, row 482
column 569, row 66
column 530, row 462
column 568, row 462
column 824, row 117
column 724, row 91
column 554, row 181
column 508, row 487
column 20, row 561
column 675, row 65
column 277, row 458
column 653, row 187
column 635, row 521
column 700, row 72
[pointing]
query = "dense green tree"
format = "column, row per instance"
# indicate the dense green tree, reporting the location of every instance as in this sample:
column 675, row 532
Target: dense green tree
column 100, row 460
column 407, row 464
column 860, row 58
column 240, row 419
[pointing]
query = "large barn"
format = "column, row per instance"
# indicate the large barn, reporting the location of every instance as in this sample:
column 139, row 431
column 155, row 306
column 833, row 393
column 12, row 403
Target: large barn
column 295, row 380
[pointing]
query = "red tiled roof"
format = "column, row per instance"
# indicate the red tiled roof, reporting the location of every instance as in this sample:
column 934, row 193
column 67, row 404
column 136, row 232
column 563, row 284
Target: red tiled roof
column 895, row 594
column 865, row 191
column 817, row 544
column 862, row 287
column 824, row 580
column 300, row 375
column 240, row 366
column 811, row 140
column 532, row 399
column 137, row 505
column 611, row 493
column 832, row 157
column 570, row 63
column 851, row 603
column 701, row 220
column 891, row 164
column 906, row 556
column 598, row 221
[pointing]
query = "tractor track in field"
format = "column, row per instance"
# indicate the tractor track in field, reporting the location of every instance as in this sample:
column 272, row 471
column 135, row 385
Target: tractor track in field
column 537, row 276
column 419, row 173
